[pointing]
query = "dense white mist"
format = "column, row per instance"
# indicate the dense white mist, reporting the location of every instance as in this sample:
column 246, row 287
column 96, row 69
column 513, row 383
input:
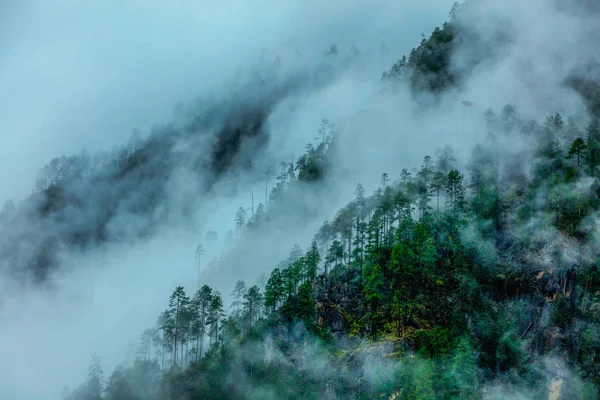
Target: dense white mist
column 528, row 50
column 100, row 307
column 531, row 51
column 79, row 75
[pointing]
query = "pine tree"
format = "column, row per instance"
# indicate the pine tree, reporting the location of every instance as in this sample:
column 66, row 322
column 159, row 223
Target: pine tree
column 259, row 215
column 463, row 371
column 577, row 151
column 166, row 325
column 295, row 254
column 445, row 159
column 295, row 274
column 323, row 235
column 238, row 293
column 202, row 303
column 404, row 284
column 312, row 259
column 95, row 379
column 438, row 183
column 335, row 254
column 188, row 314
column 252, row 304
column 274, row 290
column 373, row 290
column 306, row 303
column 240, row 219
column 177, row 304
column 423, row 185
column 385, row 178
column 491, row 123
column 509, row 118
column 593, row 146
column 455, row 190
column 214, row 316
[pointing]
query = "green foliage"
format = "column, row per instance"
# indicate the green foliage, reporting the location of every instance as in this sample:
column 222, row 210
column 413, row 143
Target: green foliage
column 140, row 381
column 446, row 269
column 417, row 379
column 588, row 354
column 238, row 294
column 577, row 151
column 252, row 304
column 313, row 164
column 373, row 291
column 561, row 312
column 274, row 290
column 463, row 376
column 455, row 191
column 509, row 353
column 433, row 343
column 430, row 62
column 405, row 283
column 306, row 303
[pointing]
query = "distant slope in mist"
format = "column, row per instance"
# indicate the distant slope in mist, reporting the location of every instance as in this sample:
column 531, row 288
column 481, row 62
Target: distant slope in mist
column 84, row 200
column 465, row 278
column 448, row 58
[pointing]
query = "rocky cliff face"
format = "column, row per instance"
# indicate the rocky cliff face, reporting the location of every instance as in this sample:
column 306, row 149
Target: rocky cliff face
column 339, row 300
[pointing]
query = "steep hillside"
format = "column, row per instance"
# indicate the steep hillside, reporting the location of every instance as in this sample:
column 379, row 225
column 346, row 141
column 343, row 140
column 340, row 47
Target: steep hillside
column 446, row 282
column 86, row 200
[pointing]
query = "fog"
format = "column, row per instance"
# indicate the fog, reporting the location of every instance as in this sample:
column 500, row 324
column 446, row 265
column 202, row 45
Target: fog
column 79, row 76
column 75, row 75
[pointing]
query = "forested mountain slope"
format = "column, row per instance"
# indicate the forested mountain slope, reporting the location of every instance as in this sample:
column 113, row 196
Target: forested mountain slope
column 463, row 278
column 86, row 200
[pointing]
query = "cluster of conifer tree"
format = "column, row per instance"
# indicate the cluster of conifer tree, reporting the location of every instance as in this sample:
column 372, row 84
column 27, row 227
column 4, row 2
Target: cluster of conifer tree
column 411, row 264
column 476, row 280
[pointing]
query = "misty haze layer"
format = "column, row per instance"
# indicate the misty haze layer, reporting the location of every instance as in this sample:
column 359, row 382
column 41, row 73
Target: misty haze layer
column 80, row 77
column 105, row 223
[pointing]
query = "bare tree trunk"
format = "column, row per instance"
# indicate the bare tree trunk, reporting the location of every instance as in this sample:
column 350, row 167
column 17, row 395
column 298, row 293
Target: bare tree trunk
column 181, row 355
column 197, row 349
column 201, row 346
column 174, row 360
column 187, row 351
column 217, row 332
